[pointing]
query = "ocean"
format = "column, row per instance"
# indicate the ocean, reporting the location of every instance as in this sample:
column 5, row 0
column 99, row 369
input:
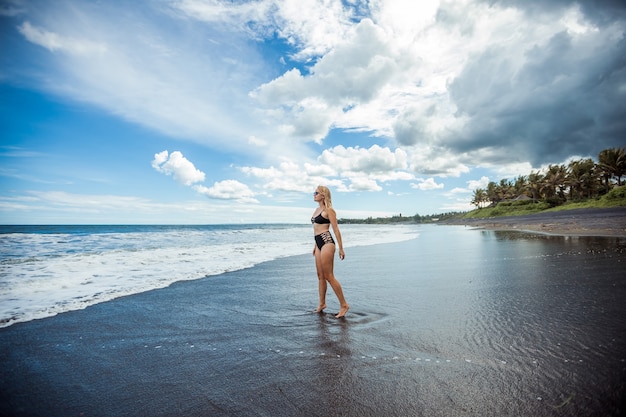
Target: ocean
column 47, row 270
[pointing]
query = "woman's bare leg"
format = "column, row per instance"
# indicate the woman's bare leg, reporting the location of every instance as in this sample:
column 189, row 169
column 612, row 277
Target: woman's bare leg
column 321, row 282
column 327, row 258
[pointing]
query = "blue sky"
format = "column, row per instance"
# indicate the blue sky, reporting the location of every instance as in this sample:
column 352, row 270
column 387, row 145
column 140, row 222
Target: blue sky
column 205, row 111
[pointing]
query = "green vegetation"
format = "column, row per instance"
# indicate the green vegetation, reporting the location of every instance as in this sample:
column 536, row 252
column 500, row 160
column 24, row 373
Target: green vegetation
column 400, row 219
column 580, row 180
column 383, row 220
column 615, row 198
column 580, row 184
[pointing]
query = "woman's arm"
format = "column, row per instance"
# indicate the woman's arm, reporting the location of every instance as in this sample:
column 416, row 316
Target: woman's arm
column 332, row 216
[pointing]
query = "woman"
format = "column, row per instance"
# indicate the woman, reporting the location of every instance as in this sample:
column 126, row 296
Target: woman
column 324, row 249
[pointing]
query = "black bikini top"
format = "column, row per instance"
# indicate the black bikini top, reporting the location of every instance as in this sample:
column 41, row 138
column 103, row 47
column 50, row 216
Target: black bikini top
column 319, row 219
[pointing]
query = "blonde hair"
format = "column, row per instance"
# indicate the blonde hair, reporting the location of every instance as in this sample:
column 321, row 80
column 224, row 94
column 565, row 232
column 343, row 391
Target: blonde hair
column 328, row 202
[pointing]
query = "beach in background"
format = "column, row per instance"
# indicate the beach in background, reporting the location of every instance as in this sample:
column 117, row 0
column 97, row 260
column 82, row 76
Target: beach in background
column 576, row 222
column 451, row 322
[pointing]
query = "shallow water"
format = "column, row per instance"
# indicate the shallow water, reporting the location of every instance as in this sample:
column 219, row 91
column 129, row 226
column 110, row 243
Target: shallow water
column 457, row 322
column 483, row 323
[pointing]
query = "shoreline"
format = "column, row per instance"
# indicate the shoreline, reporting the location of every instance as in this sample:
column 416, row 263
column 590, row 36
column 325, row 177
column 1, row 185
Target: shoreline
column 609, row 222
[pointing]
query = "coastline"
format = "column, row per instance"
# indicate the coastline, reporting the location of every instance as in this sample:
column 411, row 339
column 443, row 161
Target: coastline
column 609, row 222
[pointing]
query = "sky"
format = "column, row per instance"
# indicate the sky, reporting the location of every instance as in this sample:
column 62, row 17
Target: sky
column 234, row 111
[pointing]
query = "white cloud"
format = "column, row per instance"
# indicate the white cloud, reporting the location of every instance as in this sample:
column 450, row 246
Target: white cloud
column 346, row 169
column 55, row 42
column 178, row 166
column 352, row 73
column 462, row 195
column 186, row 173
column 310, row 120
column 575, row 21
column 228, row 190
column 377, row 162
column 313, row 26
column 363, row 184
column 319, row 170
column 475, row 184
column 253, row 140
column 289, row 176
column 427, row 184
column 379, row 72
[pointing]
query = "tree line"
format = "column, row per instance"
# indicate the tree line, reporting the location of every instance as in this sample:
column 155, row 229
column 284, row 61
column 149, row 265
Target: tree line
column 557, row 184
column 431, row 218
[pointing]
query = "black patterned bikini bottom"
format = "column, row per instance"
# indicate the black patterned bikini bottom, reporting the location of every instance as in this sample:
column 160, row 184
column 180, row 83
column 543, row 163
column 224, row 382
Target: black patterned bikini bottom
column 322, row 239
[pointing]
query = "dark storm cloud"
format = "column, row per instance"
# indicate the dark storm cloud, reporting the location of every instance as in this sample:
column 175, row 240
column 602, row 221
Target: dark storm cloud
column 568, row 98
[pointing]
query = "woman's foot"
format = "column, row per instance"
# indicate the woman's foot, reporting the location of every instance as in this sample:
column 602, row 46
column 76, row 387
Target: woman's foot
column 320, row 308
column 342, row 311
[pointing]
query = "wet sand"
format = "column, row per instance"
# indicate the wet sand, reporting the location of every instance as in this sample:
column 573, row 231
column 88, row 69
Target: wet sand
column 458, row 322
column 580, row 222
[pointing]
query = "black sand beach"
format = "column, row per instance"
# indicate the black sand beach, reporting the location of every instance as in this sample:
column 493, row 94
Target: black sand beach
column 578, row 222
column 458, row 322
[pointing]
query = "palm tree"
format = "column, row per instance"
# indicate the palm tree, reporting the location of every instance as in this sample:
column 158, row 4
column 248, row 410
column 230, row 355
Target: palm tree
column 554, row 183
column 582, row 178
column 480, row 197
column 612, row 163
column 535, row 179
column 520, row 186
column 493, row 193
column 505, row 190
